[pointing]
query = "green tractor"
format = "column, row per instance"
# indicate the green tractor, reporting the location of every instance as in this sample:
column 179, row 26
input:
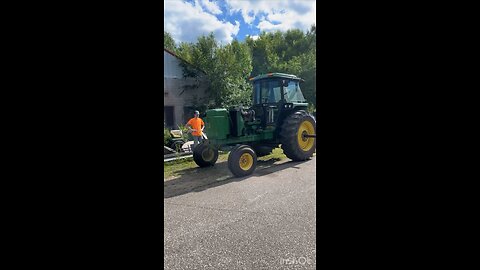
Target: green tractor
column 278, row 117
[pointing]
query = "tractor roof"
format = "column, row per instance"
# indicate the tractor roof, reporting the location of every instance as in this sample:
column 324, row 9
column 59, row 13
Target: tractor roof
column 275, row 75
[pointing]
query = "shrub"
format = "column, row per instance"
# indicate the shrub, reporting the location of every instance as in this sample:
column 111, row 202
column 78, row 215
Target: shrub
column 184, row 130
column 166, row 135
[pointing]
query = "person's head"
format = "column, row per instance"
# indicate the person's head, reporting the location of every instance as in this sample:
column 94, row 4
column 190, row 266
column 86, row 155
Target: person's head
column 196, row 114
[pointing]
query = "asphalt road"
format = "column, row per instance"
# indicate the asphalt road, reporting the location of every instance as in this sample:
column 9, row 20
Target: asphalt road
column 264, row 221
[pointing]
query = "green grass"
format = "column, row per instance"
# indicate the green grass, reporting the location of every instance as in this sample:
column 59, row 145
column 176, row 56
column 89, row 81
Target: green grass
column 171, row 168
column 277, row 154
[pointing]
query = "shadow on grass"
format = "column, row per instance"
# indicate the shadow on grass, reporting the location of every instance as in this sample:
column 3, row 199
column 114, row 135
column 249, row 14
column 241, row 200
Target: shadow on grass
column 199, row 179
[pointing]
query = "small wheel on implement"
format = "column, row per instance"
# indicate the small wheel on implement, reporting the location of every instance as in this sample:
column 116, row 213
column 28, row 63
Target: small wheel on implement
column 177, row 146
column 205, row 155
column 242, row 161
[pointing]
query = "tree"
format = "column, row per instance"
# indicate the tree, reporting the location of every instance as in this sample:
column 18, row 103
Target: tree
column 184, row 50
column 228, row 66
column 168, row 41
column 291, row 52
column 230, row 78
column 227, row 69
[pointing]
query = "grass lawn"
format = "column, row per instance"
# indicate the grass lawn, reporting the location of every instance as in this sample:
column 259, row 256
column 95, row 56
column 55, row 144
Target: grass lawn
column 170, row 168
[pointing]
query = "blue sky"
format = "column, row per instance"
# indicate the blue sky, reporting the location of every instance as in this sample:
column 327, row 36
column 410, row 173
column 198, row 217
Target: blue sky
column 186, row 20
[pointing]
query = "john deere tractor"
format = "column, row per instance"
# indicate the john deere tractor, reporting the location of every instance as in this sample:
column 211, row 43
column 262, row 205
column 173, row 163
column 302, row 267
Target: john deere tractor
column 278, row 117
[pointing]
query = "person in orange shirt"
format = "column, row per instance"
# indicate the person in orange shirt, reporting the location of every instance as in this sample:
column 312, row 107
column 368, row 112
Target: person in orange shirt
column 196, row 126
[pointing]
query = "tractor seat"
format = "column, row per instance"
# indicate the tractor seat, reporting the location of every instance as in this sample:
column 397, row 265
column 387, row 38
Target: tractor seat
column 176, row 133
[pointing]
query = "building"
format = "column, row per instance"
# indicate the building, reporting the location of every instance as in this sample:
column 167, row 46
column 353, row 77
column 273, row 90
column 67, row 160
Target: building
column 182, row 95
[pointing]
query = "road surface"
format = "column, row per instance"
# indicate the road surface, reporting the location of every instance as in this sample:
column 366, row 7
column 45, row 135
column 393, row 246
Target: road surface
column 263, row 221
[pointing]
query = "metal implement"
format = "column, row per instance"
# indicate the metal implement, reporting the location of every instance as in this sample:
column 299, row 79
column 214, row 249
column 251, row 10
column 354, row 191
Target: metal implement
column 176, row 140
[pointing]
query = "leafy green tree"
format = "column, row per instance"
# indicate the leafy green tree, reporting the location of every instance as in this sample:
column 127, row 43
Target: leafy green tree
column 230, row 78
column 168, row 41
column 184, row 50
column 228, row 66
column 291, row 52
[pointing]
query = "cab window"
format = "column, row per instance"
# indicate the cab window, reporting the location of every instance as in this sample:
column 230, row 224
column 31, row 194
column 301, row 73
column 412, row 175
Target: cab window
column 293, row 93
column 267, row 91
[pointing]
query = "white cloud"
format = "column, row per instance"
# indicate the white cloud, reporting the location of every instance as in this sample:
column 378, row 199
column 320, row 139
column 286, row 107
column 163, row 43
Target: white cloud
column 253, row 37
column 211, row 7
column 187, row 21
column 249, row 9
column 268, row 26
column 276, row 15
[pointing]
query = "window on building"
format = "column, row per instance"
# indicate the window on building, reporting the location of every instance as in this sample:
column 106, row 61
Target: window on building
column 168, row 116
column 188, row 113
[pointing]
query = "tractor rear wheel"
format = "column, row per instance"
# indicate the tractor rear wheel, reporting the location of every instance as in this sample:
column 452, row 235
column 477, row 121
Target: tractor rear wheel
column 295, row 145
column 242, row 161
column 205, row 155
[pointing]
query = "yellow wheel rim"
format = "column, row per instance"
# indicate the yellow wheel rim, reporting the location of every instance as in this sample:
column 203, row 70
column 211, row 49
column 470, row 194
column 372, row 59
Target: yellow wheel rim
column 306, row 127
column 246, row 161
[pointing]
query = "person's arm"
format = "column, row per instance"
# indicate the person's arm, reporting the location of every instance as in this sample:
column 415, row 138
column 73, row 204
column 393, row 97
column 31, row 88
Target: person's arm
column 203, row 125
column 189, row 126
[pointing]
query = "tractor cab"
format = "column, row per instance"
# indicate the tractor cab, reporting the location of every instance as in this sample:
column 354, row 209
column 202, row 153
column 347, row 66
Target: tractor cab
column 274, row 88
column 275, row 95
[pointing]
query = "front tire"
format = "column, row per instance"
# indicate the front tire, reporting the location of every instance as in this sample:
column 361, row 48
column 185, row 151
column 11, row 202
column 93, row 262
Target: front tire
column 205, row 155
column 295, row 146
column 242, row 161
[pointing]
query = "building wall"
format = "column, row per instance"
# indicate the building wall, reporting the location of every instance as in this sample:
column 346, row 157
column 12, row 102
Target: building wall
column 174, row 93
column 171, row 67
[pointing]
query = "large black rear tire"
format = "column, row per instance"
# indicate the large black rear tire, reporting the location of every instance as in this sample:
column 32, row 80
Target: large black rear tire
column 205, row 155
column 242, row 161
column 295, row 146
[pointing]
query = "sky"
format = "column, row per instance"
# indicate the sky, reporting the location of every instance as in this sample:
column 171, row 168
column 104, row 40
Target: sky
column 186, row 20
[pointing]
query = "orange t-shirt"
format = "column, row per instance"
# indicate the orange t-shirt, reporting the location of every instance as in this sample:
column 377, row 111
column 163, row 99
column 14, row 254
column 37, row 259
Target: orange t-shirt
column 197, row 124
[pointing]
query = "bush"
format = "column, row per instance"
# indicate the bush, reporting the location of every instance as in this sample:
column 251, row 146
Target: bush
column 166, row 135
column 185, row 133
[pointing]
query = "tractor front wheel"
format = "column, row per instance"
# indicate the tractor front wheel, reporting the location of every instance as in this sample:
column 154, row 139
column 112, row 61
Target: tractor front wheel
column 296, row 143
column 242, row 161
column 205, row 155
